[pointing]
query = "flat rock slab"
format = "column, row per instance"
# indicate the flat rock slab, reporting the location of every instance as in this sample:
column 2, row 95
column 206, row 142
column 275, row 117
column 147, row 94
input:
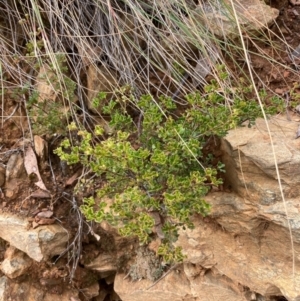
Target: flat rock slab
column 39, row 244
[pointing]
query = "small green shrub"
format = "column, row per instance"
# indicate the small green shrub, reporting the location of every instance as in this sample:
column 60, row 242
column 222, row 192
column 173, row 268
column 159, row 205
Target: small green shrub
column 153, row 165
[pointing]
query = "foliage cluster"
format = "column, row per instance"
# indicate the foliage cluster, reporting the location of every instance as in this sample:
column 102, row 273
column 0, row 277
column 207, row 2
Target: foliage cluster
column 153, row 163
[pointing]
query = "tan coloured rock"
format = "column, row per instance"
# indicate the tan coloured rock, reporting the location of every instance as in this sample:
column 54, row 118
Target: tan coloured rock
column 100, row 79
column 16, row 263
column 261, row 263
column 220, row 18
column 251, row 170
column 121, row 249
column 41, row 149
column 104, row 263
column 39, row 244
column 91, row 291
column 174, row 287
column 15, row 174
column 183, row 283
column 45, row 84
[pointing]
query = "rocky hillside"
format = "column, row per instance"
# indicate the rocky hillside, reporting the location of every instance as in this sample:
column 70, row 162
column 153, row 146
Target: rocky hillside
column 64, row 73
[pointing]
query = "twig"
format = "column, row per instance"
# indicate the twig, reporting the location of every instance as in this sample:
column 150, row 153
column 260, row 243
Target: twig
column 287, row 101
column 13, row 112
column 285, row 26
column 163, row 276
column 139, row 125
column 76, row 245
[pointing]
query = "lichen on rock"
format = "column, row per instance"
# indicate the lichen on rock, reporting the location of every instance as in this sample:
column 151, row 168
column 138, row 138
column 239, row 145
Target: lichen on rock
column 146, row 266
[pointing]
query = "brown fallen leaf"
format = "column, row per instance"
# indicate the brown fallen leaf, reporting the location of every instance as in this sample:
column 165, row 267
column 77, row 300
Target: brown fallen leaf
column 41, row 194
column 279, row 91
column 286, row 74
column 73, row 179
column 274, row 75
column 31, row 166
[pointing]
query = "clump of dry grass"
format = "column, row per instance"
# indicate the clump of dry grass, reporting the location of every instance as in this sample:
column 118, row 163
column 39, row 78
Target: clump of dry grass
column 157, row 47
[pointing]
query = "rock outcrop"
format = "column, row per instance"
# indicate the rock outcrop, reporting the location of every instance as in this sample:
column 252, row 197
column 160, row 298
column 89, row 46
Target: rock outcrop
column 39, row 244
column 247, row 249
